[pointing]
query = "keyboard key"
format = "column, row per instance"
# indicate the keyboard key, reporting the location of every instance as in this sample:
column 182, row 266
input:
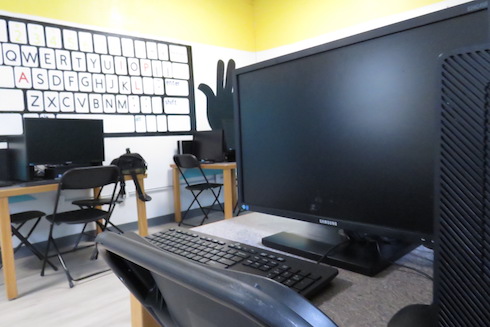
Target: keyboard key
column 10, row 124
column 53, row 37
column 100, row 44
column 3, row 31
column 11, row 54
column 289, row 282
column 178, row 123
column 226, row 261
column 303, row 284
column 70, row 38
column 12, row 100
column 18, row 32
column 7, row 77
column 35, row 33
column 178, row 53
column 86, row 43
column 114, row 44
column 216, row 264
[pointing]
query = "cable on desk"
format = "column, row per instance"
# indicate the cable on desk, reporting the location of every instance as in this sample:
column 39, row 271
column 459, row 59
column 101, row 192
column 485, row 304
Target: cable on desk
column 418, row 256
column 333, row 248
column 418, row 271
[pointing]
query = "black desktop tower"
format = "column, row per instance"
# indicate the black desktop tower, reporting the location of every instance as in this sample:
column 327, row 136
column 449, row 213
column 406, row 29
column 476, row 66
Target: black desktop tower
column 19, row 166
column 462, row 264
column 185, row 147
column 4, row 165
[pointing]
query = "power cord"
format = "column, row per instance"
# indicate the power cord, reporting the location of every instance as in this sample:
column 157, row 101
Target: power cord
column 418, row 271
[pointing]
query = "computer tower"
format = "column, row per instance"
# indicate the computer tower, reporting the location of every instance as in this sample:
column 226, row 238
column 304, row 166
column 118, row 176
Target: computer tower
column 184, row 147
column 19, row 166
column 4, row 165
column 462, row 257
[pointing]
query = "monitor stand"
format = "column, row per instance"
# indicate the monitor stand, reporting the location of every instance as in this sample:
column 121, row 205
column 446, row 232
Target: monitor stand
column 367, row 256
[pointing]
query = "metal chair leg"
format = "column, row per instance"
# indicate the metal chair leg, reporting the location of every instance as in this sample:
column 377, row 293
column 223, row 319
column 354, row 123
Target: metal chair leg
column 31, row 247
column 79, row 237
column 63, row 264
column 47, row 249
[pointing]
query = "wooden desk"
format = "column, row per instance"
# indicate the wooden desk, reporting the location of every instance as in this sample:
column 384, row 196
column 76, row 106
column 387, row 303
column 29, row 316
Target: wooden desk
column 5, row 231
column 229, row 185
column 351, row 299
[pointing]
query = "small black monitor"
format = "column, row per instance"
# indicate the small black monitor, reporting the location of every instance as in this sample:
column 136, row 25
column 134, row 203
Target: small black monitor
column 56, row 143
column 209, row 146
column 62, row 141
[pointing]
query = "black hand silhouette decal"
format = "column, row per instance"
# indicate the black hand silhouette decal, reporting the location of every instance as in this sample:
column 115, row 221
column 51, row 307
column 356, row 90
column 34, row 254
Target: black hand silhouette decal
column 220, row 105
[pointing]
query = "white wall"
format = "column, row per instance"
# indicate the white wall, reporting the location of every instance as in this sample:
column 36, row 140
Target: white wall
column 356, row 29
column 156, row 150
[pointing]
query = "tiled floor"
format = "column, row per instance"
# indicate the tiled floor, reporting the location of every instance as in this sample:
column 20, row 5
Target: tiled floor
column 49, row 302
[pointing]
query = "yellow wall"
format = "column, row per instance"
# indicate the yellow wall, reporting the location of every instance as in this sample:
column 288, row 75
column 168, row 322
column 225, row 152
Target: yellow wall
column 281, row 22
column 251, row 25
column 227, row 23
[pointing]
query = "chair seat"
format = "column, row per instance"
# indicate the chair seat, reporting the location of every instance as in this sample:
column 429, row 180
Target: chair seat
column 92, row 202
column 203, row 186
column 21, row 217
column 78, row 216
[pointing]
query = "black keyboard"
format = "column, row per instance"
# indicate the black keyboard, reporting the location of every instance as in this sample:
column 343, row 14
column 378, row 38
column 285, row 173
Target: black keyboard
column 305, row 277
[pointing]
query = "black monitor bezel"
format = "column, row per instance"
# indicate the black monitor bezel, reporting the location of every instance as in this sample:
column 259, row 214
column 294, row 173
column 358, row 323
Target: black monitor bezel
column 94, row 125
column 413, row 23
column 209, row 145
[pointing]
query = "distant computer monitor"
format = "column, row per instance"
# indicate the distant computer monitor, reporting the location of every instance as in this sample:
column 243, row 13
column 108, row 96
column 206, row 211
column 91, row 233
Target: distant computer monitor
column 55, row 143
column 209, row 145
column 62, row 141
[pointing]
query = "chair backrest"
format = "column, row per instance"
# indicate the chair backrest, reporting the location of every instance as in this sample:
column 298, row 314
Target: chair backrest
column 186, row 161
column 89, row 177
column 179, row 292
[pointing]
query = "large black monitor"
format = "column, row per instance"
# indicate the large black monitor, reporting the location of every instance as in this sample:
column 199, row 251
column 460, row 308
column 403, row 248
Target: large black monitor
column 57, row 142
column 343, row 135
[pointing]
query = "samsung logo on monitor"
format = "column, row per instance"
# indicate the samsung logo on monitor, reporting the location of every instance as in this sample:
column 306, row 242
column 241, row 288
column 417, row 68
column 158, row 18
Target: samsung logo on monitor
column 327, row 222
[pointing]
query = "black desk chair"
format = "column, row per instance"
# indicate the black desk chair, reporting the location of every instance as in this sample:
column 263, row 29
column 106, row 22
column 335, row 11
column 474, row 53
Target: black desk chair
column 18, row 220
column 189, row 161
column 180, row 292
column 80, row 179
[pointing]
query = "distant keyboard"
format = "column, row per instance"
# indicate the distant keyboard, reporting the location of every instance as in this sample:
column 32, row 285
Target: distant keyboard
column 135, row 85
column 304, row 277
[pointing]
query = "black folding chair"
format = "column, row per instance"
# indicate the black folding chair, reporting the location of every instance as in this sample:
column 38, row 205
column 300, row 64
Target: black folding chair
column 189, row 161
column 79, row 179
column 18, row 220
column 96, row 201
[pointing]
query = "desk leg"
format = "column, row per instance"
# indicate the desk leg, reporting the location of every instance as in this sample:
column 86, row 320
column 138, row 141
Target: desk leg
column 177, row 208
column 234, row 188
column 139, row 316
column 229, row 186
column 141, row 206
column 7, row 250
